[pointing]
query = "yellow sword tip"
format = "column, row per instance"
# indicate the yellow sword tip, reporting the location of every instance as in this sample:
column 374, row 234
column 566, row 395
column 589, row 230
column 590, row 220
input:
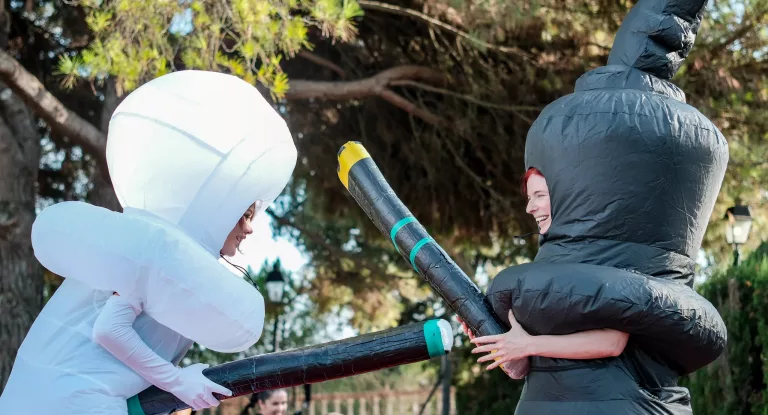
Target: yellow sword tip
column 349, row 154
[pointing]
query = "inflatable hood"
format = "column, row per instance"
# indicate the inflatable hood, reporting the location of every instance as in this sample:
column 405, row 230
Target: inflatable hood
column 633, row 171
column 633, row 174
column 188, row 153
column 197, row 148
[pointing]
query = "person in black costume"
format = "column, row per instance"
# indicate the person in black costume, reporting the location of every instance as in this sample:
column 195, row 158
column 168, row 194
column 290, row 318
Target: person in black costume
column 519, row 344
column 633, row 174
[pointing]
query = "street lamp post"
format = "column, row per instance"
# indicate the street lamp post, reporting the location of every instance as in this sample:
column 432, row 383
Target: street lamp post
column 275, row 288
column 737, row 227
column 447, row 375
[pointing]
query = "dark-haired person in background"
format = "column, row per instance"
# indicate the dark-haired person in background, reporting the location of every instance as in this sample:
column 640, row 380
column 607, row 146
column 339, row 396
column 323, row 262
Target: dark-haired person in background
column 272, row 402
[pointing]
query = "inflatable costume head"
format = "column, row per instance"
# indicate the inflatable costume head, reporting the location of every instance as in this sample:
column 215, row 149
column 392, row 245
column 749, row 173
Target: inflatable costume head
column 188, row 153
column 196, row 149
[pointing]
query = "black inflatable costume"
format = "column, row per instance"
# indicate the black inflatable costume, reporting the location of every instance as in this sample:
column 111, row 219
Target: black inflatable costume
column 633, row 173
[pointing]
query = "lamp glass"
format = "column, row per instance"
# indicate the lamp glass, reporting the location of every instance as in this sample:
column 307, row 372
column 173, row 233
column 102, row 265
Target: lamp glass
column 737, row 227
column 275, row 290
column 729, row 233
column 741, row 230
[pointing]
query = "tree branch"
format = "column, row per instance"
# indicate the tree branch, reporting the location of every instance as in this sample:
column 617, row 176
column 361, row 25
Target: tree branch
column 319, row 60
column 391, row 8
column 376, row 85
column 749, row 23
column 50, row 109
column 735, row 35
column 94, row 141
column 480, row 182
column 511, row 108
column 362, row 88
column 411, row 108
column 444, row 11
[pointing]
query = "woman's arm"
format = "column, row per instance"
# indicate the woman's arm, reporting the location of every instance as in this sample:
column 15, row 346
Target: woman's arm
column 114, row 331
column 590, row 344
column 518, row 344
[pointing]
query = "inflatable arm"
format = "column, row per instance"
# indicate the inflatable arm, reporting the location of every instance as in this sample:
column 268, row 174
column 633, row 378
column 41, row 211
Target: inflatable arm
column 662, row 316
column 359, row 174
column 180, row 284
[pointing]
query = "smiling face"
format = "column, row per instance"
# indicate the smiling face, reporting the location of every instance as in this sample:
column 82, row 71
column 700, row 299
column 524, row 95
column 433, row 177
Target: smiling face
column 241, row 230
column 538, row 202
column 276, row 404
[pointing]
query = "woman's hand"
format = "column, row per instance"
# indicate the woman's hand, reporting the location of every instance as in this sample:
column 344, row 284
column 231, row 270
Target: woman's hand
column 512, row 345
column 466, row 329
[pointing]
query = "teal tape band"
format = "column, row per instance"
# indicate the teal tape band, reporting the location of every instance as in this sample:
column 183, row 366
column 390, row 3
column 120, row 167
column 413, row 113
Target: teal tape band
column 134, row 406
column 402, row 222
column 434, row 339
column 415, row 251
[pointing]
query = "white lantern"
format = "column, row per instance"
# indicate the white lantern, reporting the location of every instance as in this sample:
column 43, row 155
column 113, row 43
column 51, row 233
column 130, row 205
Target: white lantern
column 738, row 225
column 275, row 285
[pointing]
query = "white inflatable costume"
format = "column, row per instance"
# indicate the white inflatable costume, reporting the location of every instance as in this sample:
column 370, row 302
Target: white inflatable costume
column 188, row 153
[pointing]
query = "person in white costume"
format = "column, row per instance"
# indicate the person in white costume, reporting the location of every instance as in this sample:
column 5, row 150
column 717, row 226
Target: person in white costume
column 188, row 153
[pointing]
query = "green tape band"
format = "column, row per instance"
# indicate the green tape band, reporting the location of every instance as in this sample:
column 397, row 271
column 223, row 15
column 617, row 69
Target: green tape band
column 415, row 251
column 134, row 406
column 434, row 339
column 402, row 222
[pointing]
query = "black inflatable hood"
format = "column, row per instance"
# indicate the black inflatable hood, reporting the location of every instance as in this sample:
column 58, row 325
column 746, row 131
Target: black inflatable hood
column 633, row 171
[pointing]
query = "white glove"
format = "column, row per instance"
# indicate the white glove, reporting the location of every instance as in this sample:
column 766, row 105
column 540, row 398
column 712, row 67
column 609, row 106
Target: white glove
column 114, row 331
column 192, row 387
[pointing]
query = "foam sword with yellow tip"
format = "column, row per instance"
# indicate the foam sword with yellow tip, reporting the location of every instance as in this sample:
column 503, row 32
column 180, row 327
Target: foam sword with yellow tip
column 362, row 178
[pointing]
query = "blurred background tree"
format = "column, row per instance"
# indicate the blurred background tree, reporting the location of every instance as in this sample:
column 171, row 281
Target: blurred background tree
column 441, row 92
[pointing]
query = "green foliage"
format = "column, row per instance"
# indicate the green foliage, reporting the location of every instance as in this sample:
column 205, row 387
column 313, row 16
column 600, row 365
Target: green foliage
column 138, row 40
column 736, row 382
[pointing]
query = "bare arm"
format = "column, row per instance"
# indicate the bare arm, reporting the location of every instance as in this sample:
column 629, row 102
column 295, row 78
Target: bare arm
column 518, row 344
column 591, row 344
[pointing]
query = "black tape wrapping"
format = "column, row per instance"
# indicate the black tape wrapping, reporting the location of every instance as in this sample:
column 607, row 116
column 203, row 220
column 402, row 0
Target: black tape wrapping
column 377, row 199
column 661, row 316
column 370, row 352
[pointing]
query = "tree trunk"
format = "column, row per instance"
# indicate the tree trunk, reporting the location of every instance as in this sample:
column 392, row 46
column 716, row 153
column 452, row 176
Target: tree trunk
column 21, row 276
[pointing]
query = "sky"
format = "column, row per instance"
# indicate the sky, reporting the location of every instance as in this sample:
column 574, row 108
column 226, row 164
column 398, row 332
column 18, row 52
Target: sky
column 261, row 246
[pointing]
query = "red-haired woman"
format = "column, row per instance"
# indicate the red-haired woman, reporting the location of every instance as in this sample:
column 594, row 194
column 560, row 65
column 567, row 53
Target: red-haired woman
column 535, row 188
column 517, row 343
